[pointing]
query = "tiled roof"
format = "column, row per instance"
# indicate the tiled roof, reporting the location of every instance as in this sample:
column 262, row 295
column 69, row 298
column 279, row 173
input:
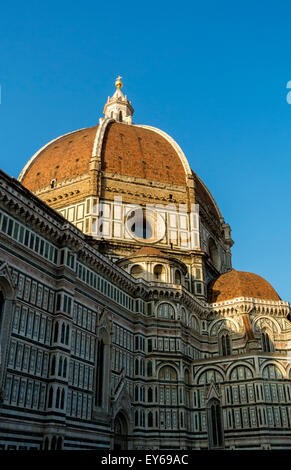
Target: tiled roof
column 235, row 284
column 64, row 158
column 127, row 150
column 143, row 153
column 148, row 250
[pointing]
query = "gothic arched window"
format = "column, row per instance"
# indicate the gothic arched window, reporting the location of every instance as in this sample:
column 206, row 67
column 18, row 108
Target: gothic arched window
column 65, row 367
column 136, row 418
column 149, row 369
column 177, row 277
column 56, row 332
column 225, row 344
column 142, row 367
column 63, row 333
column 136, row 393
column 62, row 399
column 58, row 398
column 50, row 397
column 136, row 367
column 67, row 334
column 60, row 366
column 266, row 342
column 150, row 419
column 53, row 366
column 150, row 395
column 99, row 372
column 215, row 430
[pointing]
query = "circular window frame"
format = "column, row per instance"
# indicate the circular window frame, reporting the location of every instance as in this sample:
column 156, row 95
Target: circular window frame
column 152, row 219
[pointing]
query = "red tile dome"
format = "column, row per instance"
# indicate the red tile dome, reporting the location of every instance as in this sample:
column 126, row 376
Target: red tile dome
column 235, row 284
column 127, row 150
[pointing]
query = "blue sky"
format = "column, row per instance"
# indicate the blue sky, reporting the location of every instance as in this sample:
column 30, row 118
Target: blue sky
column 211, row 74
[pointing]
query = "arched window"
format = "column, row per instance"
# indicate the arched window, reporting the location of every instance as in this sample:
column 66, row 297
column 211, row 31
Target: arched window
column 56, row 332
column 149, row 369
column 136, row 342
column 182, row 419
column 150, row 419
column 150, row 395
column 62, row 399
column 159, row 273
column 136, row 418
column 266, row 342
column 67, row 334
column 136, row 271
column 99, row 372
column 166, row 310
column 225, row 344
column 60, row 366
column 65, row 367
column 53, row 366
column 120, row 116
column 183, row 316
column 50, row 397
column 136, row 367
column 177, row 277
column 142, row 367
column 215, row 431
column 58, row 398
column 120, row 432
column 63, row 333
column 136, row 393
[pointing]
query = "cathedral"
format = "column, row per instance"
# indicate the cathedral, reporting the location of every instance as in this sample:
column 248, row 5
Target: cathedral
column 122, row 322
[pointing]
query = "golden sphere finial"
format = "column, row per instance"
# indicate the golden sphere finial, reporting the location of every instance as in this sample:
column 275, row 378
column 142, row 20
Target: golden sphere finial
column 118, row 82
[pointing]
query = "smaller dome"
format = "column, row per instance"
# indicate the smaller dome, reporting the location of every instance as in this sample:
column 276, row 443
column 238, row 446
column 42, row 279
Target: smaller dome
column 148, row 251
column 235, row 284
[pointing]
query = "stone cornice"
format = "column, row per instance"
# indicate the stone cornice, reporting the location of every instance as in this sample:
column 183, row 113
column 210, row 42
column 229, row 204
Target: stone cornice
column 250, row 304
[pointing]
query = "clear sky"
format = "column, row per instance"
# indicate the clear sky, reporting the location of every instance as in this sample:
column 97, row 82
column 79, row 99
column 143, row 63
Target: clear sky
column 211, row 74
